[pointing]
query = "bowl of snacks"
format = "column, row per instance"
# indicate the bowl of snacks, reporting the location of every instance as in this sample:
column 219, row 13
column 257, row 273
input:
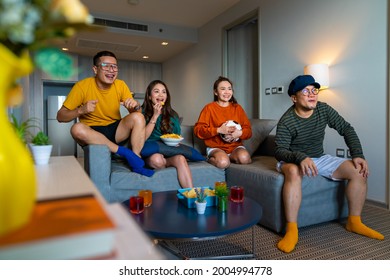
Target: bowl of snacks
column 188, row 196
column 171, row 139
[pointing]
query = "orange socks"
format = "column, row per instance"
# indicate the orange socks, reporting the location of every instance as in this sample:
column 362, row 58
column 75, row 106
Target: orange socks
column 290, row 239
column 355, row 225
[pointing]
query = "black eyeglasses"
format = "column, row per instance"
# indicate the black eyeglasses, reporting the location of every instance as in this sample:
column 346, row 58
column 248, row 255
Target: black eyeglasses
column 108, row 66
column 307, row 91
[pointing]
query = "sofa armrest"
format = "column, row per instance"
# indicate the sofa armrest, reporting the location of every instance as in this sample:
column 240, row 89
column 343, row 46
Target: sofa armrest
column 267, row 148
column 97, row 164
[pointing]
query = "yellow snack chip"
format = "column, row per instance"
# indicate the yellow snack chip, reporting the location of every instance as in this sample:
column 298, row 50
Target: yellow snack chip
column 192, row 194
column 171, row 135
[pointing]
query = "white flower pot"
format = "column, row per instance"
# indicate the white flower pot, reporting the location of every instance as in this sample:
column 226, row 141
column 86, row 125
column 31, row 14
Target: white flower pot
column 41, row 154
column 200, row 207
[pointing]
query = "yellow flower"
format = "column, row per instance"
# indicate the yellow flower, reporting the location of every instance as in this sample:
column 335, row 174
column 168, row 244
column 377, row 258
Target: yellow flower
column 15, row 96
column 72, row 10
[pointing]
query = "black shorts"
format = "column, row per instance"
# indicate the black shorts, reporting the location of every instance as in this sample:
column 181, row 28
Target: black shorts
column 109, row 131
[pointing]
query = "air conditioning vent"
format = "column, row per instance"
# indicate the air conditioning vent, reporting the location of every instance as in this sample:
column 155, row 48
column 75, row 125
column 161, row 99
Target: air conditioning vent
column 121, row 24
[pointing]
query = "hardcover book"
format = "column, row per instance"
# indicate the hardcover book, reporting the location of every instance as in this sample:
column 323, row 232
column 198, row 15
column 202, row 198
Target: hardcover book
column 66, row 228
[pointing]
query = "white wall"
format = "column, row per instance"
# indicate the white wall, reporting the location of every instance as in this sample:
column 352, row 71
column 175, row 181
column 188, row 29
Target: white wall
column 350, row 35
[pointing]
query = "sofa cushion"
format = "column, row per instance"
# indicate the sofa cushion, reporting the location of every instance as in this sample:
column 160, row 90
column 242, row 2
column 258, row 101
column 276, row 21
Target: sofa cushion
column 125, row 183
column 260, row 130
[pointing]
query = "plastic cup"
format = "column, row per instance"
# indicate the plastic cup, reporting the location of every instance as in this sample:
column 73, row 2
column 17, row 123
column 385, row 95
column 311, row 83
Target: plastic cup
column 136, row 204
column 148, row 197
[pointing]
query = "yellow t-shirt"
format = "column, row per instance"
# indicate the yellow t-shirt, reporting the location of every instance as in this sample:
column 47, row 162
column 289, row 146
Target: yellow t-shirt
column 107, row 109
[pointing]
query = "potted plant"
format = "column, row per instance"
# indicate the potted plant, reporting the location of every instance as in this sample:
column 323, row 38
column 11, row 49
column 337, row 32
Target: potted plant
column 22, row 128
column 41, row 147
column 39, row 144
column 200, row 201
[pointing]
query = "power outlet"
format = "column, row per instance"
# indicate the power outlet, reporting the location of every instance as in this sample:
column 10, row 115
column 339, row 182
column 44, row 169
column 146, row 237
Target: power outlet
column 340, row 152
column 274, row 90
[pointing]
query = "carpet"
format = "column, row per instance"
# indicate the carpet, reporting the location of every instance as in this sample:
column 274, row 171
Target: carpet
column 327, row 241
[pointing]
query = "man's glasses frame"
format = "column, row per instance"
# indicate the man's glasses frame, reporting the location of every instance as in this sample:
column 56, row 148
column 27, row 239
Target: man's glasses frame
column 307, row 91
column 108, row 66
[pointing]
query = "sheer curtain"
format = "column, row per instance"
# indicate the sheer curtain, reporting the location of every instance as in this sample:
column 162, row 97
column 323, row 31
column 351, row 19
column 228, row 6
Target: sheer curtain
column 242, row 65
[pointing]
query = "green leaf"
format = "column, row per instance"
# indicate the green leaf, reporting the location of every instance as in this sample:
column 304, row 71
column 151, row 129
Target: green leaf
column 40, row 139
column 55, row 63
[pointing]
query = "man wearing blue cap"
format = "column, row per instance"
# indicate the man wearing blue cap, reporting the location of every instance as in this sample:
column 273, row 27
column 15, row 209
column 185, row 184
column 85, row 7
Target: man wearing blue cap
column 299, row 150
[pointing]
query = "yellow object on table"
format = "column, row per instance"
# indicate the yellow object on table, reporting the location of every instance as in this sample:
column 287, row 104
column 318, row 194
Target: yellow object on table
column 17, row 173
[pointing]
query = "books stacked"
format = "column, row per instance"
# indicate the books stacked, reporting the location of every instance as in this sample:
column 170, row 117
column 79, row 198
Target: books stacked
column 66, row 228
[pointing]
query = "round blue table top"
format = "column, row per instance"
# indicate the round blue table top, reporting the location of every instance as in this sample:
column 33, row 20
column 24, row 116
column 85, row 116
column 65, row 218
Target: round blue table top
column 167, row 218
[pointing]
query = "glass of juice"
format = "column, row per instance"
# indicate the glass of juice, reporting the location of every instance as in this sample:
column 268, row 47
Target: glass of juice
column 147, row 195
column 136, row 204
column 237, row 193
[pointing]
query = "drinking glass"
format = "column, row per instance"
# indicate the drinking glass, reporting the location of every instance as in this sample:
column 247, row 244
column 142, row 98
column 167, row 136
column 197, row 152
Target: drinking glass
column 147, row 195
column 237, row 193
column 136, row 204
column 220, row 183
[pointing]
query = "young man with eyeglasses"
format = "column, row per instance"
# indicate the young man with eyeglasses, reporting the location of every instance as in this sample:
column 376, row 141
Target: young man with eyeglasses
column 299, row 150
column 96, row 102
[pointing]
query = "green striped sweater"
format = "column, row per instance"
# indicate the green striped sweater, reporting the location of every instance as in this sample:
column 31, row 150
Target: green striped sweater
column 298, row 138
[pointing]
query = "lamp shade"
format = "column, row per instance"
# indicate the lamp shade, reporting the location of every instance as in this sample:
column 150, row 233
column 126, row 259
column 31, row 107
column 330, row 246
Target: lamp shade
column 320, row 72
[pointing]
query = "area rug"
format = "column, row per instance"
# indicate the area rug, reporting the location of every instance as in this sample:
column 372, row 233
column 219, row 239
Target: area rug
column 327, row 241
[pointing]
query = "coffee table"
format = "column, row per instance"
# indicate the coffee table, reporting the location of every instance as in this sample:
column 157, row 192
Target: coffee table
column 169, row 219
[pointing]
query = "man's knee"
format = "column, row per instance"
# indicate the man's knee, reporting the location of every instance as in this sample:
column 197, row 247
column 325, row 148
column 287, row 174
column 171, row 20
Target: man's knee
column 136, row 118
column 291, row 171
column 79, row 131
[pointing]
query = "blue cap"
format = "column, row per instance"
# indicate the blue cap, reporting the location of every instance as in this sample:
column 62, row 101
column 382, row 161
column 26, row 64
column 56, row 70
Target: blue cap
column 300, row 82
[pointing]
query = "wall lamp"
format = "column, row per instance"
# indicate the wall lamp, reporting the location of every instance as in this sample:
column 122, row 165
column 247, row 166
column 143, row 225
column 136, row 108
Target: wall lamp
column 320, row 72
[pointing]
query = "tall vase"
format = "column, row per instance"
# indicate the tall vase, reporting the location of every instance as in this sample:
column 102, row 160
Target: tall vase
column 17, row 173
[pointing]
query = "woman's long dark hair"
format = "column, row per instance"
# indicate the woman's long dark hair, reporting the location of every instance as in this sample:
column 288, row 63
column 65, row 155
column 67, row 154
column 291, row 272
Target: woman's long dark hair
column 215, row 88
column 167, row 111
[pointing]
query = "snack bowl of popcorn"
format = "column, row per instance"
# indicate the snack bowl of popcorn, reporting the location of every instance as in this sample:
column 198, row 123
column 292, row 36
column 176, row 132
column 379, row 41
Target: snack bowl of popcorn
column 171, row 139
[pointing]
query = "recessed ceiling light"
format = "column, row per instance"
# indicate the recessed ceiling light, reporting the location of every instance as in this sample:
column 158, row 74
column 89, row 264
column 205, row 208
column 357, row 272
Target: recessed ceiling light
column 145, row 57
column 133, row 2
column 164, row 43
column 65, row 49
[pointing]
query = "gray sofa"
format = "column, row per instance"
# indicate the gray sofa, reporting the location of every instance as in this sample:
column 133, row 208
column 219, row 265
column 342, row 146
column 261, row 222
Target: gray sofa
column 323, row 200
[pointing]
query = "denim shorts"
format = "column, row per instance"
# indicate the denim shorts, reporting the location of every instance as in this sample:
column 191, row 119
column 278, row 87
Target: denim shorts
column 326, row 165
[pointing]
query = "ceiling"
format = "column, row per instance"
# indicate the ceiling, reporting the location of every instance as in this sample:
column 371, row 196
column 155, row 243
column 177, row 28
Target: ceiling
column 172, row 21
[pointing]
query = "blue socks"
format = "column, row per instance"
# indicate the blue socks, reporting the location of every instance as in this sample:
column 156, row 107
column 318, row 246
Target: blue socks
column 136, row 163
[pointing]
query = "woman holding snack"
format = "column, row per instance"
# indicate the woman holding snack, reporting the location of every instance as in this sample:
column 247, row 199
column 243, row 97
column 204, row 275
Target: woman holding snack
column 161, row 119
column 223, row 125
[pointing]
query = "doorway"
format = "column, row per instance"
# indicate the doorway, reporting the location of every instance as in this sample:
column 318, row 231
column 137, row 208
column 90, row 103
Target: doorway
column 241, row 62
column 54, row 94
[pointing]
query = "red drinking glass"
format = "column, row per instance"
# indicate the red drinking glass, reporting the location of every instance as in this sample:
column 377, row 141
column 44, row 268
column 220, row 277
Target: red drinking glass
column 136, row 204
column 237, row 193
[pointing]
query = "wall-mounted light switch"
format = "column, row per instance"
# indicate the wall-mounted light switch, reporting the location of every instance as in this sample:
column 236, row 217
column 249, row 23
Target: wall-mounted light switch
column 267, row 91
column 280, row 89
